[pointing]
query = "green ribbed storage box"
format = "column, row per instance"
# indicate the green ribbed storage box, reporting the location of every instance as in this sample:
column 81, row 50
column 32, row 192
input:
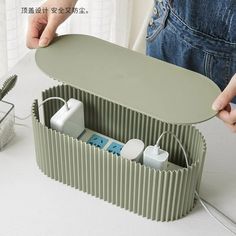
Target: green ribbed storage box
column 156, row 195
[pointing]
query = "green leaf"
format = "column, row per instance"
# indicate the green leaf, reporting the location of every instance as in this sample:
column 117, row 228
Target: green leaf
column 7, row 86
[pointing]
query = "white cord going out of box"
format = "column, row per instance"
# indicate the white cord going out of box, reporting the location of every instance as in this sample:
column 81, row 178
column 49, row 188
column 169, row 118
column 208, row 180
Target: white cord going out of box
column 203, row 202
column 46, row 100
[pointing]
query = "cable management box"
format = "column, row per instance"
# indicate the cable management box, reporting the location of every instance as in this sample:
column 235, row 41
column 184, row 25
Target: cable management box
column 157, row 195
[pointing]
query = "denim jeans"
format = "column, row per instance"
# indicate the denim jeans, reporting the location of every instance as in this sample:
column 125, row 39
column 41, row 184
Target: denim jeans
column 199, row 35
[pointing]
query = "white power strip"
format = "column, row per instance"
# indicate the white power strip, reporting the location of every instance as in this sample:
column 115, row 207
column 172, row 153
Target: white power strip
column 88, row 133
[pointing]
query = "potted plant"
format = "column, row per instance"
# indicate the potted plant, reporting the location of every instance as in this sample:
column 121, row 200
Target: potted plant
column 7, row 117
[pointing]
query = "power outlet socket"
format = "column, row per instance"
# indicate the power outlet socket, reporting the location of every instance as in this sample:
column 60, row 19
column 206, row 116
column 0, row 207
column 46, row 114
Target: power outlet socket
column 115, row 148
column 98, row 141
column 101, row 141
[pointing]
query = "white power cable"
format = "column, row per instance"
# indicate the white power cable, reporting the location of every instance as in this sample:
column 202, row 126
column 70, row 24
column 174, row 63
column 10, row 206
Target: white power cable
column 216, row 209
column 203, row 202
column 47, row 99
column 177, row 139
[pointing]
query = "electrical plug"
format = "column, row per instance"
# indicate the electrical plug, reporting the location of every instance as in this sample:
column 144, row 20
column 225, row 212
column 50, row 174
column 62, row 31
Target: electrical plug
column 69, row 121
column 155, row 157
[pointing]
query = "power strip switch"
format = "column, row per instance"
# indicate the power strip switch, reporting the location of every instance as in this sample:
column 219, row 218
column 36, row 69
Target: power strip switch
column 133, row 150
column 70, row 122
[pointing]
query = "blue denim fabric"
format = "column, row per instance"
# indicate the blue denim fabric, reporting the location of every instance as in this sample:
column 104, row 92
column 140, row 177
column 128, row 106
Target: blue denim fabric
column 199, row 35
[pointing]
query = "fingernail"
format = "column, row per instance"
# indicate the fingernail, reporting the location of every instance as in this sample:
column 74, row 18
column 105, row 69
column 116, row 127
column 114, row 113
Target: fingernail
column 43, row 42
column 216, row 106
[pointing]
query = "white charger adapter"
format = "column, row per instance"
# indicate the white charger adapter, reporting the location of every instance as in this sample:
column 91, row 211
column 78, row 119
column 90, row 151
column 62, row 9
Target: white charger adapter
column 69, row 121
column 155, row 157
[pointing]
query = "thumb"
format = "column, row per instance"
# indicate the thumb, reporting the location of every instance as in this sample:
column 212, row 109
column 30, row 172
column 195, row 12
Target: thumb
column 226, row 96
column 48, row 34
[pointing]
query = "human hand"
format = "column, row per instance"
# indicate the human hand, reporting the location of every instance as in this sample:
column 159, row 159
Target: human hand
column 222, row 105
column 42, row 26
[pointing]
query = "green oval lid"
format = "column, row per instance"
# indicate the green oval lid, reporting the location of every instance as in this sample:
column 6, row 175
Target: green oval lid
column 158, row 89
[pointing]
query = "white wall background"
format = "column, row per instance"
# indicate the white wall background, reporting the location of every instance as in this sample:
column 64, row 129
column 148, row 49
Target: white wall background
column 122, row 22
column 141, row 14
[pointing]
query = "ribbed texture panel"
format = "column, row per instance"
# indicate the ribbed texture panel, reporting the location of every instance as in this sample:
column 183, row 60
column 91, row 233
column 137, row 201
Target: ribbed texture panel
column 157, row 195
